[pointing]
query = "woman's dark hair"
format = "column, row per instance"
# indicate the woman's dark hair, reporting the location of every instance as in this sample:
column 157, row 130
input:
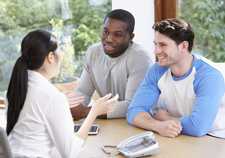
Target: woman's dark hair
column 35, row 46
column 122, row 15
column 176, row 29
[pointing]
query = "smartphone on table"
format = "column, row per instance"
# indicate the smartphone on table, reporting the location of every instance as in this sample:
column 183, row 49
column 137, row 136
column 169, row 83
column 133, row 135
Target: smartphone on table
column 93, row 130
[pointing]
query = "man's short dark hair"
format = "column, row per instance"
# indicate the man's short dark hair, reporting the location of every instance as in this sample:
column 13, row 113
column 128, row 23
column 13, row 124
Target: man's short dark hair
column 122, row 15
column 176, row 29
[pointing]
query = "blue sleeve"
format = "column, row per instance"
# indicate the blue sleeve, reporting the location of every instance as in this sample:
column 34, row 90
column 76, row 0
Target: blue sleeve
column 209, row 91
column 146, row 95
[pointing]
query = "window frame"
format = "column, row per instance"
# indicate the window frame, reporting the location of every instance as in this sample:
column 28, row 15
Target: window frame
column 165, row 9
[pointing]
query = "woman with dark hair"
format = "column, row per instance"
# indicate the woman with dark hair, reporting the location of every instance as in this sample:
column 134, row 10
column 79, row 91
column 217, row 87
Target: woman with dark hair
column 38, row 116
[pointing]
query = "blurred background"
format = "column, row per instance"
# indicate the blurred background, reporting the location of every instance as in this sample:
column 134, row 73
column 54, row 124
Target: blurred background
column 77, row 24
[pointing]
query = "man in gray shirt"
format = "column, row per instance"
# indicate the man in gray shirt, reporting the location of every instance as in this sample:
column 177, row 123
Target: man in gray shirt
column 116, row 65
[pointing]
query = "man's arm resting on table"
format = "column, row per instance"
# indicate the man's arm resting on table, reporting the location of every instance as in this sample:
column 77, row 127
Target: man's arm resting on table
column 209, row 94
column 163, row 115
column 168, row 128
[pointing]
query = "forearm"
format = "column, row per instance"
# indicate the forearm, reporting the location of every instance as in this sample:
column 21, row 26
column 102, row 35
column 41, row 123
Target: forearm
column 145, row 121
column 195, row 127
column 201, row 120
column 163, row 115
column 79, row 112
column 168, row 128
column 83, row 132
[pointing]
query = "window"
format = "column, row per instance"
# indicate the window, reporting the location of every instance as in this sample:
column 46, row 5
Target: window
column 208, row 20
column 75, row 22
column 165, row 9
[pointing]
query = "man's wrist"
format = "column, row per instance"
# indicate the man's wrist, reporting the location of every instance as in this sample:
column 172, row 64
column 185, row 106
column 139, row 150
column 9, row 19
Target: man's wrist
column 79, row 112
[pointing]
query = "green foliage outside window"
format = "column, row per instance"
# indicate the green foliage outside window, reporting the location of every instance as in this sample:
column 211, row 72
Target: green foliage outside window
column 208, row 20
column 18, row 17
column 89, row 26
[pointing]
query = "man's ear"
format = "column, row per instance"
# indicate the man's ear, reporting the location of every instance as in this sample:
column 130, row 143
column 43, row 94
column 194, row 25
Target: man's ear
column 50, row 57
column 184, row 46
column 131, row 36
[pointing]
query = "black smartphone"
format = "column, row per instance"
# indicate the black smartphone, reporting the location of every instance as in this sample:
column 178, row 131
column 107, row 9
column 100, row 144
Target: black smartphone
column 93, row 130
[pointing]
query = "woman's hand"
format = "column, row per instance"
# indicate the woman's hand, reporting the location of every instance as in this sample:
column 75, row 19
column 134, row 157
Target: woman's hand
column 99, row 107
column 104, row 104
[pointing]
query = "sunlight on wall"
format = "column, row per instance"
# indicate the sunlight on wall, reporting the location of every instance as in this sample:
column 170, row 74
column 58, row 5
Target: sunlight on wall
column 143, row 11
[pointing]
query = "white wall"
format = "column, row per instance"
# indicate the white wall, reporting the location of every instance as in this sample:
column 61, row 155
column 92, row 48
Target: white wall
column 143, row 11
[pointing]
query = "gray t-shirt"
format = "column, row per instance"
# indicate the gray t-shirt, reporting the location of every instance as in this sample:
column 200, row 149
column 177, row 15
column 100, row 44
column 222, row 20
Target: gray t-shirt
column 120, row 75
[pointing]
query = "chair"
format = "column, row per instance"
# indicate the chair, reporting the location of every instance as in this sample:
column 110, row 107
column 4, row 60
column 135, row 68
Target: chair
column 5, row 151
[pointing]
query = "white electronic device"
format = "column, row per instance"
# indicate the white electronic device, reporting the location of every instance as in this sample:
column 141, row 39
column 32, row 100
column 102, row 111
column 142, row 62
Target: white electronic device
column 140, row 145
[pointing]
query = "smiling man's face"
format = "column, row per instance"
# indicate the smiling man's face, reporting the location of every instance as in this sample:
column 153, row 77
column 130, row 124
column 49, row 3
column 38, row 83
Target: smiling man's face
column 115, row 37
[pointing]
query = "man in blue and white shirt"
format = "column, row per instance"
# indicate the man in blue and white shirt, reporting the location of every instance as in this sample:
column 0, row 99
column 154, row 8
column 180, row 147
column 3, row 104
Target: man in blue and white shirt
column 182, row 93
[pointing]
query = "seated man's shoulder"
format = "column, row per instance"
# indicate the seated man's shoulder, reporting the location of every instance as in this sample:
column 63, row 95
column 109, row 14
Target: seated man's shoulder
column 204, row 67
column 157, row 69
column 137, row 54
column 94, row 50
column 95, row 46
column 205, row 70
column 137, row 48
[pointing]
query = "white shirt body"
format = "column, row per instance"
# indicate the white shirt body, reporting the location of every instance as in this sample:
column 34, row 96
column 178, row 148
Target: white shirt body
column 44, row 122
